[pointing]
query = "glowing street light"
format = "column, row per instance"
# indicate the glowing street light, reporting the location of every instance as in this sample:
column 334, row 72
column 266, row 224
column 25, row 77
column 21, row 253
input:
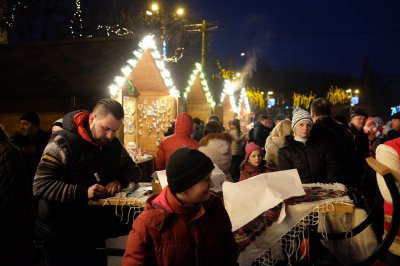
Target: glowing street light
column 180, row 11
column 354, row 99
column 154, row 7
column 270, row 101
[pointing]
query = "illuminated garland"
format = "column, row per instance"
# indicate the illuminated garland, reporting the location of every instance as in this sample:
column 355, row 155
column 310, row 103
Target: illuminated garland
column 244, row 99
column 77, row 16
column 337, row 95
column 116, row 30
column 224, row 73
column 199, row 72
column 12, row 16
column 229, row 91
column 303, row 100
column 256, row 98
column 147, row 43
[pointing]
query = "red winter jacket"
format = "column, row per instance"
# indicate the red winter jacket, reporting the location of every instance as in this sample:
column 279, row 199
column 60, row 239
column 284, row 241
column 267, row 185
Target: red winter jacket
column 181, row 138
column 169, row 233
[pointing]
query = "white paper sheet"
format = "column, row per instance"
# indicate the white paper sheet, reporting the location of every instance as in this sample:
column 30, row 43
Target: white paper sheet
column 217, row 177
column 247, row 199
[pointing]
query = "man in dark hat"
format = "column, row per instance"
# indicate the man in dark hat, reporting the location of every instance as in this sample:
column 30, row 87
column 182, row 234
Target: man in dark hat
column 31, row 140
column 185, row 224
column 394, row 133
column 356, row 125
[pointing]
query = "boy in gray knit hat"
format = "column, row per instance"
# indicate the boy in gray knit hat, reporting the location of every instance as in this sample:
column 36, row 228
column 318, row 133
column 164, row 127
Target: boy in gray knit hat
column 185, row 224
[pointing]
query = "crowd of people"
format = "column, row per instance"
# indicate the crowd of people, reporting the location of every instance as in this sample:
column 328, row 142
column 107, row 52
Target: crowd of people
column 46, row 180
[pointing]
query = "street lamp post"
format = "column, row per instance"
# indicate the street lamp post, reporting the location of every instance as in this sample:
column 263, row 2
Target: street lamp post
column 164, row 17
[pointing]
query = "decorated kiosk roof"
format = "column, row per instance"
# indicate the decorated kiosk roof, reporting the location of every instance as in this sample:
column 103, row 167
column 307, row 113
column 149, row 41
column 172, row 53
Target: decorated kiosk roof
column 147, row 59
column 228, row 91
column 244, row 99
column 198, row 78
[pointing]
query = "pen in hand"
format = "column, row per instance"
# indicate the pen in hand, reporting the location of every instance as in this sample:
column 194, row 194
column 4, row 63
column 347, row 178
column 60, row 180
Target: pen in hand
column 96, row 175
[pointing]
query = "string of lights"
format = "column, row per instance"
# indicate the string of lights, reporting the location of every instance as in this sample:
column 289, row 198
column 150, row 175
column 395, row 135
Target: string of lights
column 77, row 16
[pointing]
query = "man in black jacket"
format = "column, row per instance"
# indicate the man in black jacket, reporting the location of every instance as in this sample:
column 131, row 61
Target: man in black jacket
column 394, row 133
column 31, row 140
column 82, row 162
column 325, row 129
column 261, row 131
column 15, row 205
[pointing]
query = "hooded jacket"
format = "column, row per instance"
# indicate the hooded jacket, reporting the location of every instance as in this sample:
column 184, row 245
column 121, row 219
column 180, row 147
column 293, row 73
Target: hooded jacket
column 169, row 233
column 217, row 146
column 66, row 171
column 181, row 138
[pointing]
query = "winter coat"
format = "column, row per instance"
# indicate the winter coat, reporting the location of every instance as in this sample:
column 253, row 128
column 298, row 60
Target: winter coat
column 342, row 144
column 248, row 170
column 170, row 233
column 236, row 142
column 275, row 140
column 362, row 152
column 261, row 133
column 16, row 220
column 217, row 146
column 39, row 141
column 65, row 173
column 313, row 160
column 181, row 138
column 197, row 133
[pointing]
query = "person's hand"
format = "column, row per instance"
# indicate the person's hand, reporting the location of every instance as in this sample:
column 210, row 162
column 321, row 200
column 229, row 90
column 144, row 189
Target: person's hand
column 97, row 191
column 135, row 186
column 113, row 187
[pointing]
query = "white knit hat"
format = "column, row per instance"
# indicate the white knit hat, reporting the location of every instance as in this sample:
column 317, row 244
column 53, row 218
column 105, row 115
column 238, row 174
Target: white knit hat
column 300, row 114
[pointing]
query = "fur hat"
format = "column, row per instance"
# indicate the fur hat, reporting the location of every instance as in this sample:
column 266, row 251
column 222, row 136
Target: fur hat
column 250, row 148
column 31, row 117
column 186, row 167
column 300, row 114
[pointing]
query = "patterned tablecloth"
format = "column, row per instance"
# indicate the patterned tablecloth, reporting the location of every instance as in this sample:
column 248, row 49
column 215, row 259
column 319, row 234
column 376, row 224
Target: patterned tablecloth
column 265, row 231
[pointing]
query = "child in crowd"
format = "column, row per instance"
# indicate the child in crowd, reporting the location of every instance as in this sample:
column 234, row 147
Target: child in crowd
column 253, row 164
column 184, row 224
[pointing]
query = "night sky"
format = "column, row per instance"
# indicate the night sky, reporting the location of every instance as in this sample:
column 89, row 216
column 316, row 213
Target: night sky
column 332, row 36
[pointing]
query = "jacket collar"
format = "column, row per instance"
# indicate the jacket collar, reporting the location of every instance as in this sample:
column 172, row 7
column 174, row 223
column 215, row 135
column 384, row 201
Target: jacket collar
column 168, row 202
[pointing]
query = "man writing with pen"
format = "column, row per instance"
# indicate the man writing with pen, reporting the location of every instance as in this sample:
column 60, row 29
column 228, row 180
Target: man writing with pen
column 83, row 162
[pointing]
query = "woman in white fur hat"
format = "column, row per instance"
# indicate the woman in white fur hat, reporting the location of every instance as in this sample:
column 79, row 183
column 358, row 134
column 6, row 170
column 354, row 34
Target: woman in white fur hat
column 313, row 160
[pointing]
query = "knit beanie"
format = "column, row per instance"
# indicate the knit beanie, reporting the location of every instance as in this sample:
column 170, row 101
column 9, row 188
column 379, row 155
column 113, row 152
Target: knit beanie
column 298, row 115
column 186, row 167
column 250, row 148
column 31, row 117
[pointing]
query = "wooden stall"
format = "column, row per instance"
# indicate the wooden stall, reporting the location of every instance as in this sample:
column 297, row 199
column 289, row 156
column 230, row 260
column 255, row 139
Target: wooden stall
column 148, row 96
column 199, row 102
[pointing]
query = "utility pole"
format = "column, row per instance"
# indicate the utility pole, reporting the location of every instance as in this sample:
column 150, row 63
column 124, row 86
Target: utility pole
column 203, row 29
